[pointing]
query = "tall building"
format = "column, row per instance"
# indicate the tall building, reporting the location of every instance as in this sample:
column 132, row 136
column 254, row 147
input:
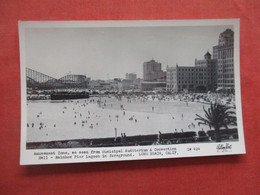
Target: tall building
column 201, row 77
column 152, row 71
column 224, row 53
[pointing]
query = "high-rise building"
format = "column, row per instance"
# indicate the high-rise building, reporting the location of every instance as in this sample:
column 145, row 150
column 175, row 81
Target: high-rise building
column 224, row 53
column 152, row 71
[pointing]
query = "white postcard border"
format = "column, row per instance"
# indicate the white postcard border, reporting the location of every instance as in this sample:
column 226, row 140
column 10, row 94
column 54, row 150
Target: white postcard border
column 36, row 156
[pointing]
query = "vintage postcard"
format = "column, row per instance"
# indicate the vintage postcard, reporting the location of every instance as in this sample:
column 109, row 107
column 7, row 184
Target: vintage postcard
column 128, row 90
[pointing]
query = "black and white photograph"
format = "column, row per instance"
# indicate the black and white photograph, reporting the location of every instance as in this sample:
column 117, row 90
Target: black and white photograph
column 127, row 90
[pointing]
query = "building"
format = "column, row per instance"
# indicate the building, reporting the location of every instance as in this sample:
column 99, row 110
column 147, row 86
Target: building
column 131, row 76
column 150, row 86
column 207, row 74
column 152, row 71
column 154, row 77
column 128, row 84
column 139, row 83
column 100, row 85
column 224, row 54
column 199, row 78
column 210, row 72
column 115, row 84
column 171, row 79
column 131, row 81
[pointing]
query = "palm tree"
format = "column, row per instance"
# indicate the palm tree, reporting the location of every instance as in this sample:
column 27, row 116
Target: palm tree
column 217, row 116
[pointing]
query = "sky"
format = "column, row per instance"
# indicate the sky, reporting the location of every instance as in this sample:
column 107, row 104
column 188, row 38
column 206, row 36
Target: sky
column 111, row 52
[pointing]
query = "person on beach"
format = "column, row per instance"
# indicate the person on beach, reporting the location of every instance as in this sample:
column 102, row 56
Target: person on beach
column 159, row 137
column 122, row 138
column 115, row 134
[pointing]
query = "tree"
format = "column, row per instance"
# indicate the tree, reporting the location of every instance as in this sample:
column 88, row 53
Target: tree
column 217, row 116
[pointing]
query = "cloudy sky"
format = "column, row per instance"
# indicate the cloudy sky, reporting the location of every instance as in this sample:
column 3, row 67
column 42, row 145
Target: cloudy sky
column 106, row 53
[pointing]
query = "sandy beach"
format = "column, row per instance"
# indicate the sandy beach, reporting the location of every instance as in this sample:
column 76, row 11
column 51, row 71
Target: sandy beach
column 104, row 117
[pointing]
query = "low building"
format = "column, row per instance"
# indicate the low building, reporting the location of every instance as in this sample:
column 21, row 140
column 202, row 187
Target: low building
column 150, row 86
column 115, row 84
column 128, row 85
column 100, row 85
column 139, row 83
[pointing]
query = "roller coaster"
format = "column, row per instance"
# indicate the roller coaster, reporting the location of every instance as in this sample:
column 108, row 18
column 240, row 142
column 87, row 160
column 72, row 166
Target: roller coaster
column 38, row 80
